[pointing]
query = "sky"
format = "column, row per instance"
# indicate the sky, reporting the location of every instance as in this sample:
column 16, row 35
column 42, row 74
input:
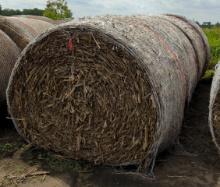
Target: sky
column 198, row 10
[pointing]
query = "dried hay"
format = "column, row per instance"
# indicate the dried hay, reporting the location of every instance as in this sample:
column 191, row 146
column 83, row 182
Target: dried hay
column 110, row 90
column 23, row 30
column 41, row 18
column 214, row 108
column 8, row 56
column 46, row 19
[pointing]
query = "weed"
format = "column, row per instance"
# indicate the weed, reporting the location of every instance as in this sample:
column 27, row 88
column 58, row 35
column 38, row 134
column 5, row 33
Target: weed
column 213, row 35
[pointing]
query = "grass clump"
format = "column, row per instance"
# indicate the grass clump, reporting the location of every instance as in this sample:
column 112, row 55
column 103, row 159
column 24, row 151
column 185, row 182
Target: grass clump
column 213, row 35
column 7, row 149
column 208, row 74
column 53, row 162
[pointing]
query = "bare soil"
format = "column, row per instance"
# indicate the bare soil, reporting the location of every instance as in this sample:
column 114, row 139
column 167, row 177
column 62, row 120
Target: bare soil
column 192, row 162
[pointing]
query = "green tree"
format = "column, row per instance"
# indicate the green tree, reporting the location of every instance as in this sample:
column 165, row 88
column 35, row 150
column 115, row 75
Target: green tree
column 35, row 11
column 12, row 12
column 217, row 24
column 57, row 9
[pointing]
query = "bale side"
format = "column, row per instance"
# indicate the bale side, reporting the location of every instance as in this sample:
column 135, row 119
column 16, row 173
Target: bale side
column 8, row 56
column 46, row 19
column 41, row 18
column 110, row 90
column 23, row 30
column 197, row 38
column 214, row 108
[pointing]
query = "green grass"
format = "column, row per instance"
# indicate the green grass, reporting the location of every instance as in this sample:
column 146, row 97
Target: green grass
column 53, row 162
column 7, row 149
column 213, row 35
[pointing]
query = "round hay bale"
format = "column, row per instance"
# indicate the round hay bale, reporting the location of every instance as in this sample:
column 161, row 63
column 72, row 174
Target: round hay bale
column 46, row 19
column 110, row 90
column 214, row 108
column 42, row 18
column 8, row 56
column 195, row 38
column 23, row 30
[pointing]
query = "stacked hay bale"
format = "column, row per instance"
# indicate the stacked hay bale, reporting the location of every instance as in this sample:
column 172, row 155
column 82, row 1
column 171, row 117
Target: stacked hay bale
column 9, row 53
column 42, row 18
column 214, row 108
column 46, row 19
column 110, row 90
column 15, row 34
column 23, row 30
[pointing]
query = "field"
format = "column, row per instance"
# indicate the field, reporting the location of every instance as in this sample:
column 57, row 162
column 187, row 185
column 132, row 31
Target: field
column 193, row 161
column 213, row 35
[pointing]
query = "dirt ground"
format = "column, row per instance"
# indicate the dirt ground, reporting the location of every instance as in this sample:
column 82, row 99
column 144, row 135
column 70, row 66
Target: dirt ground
column 193, row 162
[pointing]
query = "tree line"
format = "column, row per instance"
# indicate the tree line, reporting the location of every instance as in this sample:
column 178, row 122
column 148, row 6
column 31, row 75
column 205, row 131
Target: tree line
column 55, row 9
column 209, row 25
column 12, row 12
